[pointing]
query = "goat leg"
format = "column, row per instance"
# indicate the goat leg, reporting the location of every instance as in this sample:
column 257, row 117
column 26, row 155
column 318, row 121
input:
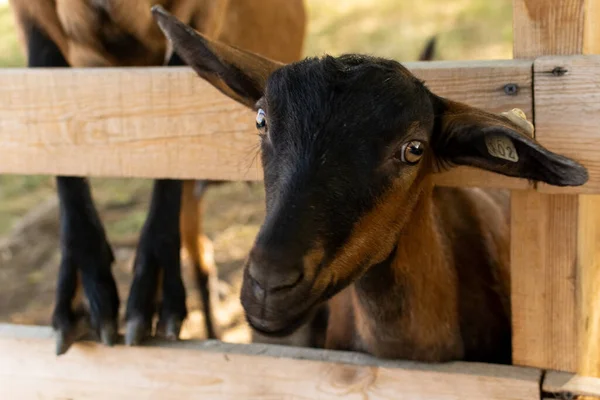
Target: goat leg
column 157, row 284
column 86, row 255
column 196, row 246
column 86, row 263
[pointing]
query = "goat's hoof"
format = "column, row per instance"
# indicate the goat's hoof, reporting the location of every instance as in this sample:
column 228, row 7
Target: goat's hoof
column 169, row 329
column 65, row 337
column 137, row 331
column 64, row 340
column 109, row 333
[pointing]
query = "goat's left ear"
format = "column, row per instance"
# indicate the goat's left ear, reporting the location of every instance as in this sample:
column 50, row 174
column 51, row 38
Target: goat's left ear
column 465, row 135
column 239, row 74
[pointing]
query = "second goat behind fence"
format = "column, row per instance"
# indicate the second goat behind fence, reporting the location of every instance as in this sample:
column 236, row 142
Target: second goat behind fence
column 112, row 33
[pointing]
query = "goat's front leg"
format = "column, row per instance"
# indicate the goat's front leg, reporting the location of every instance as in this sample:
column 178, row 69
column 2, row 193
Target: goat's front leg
column 196, row 243
column 86, row 256
column 86, row 262
column 157, row 284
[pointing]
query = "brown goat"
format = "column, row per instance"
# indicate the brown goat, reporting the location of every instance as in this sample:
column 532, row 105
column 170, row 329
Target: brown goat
column 349, row 148
column 110, row 33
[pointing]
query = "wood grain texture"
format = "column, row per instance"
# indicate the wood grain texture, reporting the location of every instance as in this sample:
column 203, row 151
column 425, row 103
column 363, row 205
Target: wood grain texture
column 542, row 27
column 591, row 35
column 589, row 285
column 159, row 122
column 589, row 242
column 544, row 280
column 568, row 113
column 544, row 227
column 219, row 371
column 565, row 385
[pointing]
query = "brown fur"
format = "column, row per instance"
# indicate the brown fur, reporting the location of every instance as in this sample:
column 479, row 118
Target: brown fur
column 465, row 232
column 83, row 28
column 425, row 305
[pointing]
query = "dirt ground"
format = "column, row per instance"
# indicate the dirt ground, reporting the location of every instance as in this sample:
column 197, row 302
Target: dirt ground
column 29, row 258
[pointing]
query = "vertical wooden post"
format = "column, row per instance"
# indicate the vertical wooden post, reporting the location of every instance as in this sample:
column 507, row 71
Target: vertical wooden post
column 555, row 246
column 544, row 295
column 589, row 238
column 544, row 227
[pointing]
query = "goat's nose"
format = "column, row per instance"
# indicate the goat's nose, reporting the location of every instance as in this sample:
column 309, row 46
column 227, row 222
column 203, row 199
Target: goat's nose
column 272, row 273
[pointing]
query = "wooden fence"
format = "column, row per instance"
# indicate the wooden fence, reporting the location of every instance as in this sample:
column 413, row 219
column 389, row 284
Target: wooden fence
column 167, row 123
column 215, row 370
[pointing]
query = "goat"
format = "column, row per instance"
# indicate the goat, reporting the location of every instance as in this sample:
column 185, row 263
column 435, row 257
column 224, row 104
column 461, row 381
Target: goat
column 349, row 147
column 108, row 33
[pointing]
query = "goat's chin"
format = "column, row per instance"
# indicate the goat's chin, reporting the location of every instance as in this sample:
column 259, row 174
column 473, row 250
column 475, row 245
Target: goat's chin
column 285, row 324
column 279, row 329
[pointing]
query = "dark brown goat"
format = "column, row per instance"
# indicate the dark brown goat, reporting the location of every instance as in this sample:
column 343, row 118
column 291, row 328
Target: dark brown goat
column 107, row 33
column 349, row 148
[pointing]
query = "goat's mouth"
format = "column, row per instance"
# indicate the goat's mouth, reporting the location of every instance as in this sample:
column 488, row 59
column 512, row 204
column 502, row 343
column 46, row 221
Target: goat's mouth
column 279, row 328
column 281, row 324
column 282, row 312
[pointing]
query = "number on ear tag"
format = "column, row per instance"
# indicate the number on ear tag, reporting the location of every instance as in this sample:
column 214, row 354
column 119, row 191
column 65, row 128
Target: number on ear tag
column 502, row 147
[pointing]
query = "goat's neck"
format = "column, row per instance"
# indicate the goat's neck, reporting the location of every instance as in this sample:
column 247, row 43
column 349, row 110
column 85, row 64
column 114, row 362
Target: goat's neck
column 407, row 306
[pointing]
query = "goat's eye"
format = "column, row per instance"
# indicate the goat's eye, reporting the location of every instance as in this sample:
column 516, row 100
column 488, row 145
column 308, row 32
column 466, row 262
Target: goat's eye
column 261, row 121
column 411, row 152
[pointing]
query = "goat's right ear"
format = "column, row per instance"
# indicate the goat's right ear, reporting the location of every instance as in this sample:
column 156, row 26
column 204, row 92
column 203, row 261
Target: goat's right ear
column 465, row 135
column 239, row 74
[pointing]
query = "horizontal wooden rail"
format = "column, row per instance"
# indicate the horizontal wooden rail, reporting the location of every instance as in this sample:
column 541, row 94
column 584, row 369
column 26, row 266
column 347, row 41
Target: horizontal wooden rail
column 211, row 369
column 166, row 122
column 219, row 371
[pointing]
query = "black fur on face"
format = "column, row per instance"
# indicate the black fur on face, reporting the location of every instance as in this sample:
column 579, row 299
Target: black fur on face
column 334, row 130
column 331, row 148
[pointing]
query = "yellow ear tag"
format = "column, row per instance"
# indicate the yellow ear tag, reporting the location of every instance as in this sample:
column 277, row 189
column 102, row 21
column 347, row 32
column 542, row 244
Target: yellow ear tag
column 501, row 146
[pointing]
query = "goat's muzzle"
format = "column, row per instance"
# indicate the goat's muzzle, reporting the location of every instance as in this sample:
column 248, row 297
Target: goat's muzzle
column 277, row 295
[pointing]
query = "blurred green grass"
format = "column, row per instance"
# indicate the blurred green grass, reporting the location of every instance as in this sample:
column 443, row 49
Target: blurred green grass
column 466, row 29
column 10, row 52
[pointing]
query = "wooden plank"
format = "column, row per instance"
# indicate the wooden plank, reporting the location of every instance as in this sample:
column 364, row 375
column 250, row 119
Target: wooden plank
column 159, row 122
column 589, row 241
column 568, row 112
column 543, row 247
column 563, row 385
column 589, row 285
column 591, row 35
column 544, row 227
column 578, row 138
column 542, row 27
column 210, row 369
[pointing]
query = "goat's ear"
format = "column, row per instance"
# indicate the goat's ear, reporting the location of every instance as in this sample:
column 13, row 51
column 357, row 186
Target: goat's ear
column 239, row 74
column 501, row 143
column 429, row 50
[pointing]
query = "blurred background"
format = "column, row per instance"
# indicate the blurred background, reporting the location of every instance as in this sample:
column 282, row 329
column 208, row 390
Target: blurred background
column 29, row 256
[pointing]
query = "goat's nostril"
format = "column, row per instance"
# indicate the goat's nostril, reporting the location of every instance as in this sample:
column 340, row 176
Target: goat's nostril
column 288, row 281
column 256, row 278
column 265, row 279
column 257, row 289
column 254, row 271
